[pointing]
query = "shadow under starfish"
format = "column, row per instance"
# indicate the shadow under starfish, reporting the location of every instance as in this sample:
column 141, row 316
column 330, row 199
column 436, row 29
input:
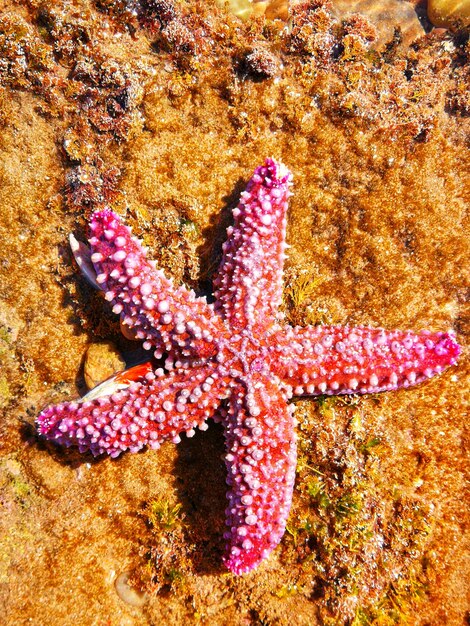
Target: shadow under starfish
column 234, row 354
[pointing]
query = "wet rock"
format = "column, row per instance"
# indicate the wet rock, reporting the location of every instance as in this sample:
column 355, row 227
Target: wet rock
column 245, row 9
column 277, row 10
column 449, row 13
column 385, row 16
column 102, row 360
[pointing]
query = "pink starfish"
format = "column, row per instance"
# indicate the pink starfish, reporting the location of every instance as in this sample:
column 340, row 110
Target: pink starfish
column 233, row 359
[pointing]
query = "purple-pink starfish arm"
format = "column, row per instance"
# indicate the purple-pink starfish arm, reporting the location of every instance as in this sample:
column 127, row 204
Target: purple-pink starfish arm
column 261, row 458
column 248, row 287
column 136, row 408
column 341, row 359
column 168, row 318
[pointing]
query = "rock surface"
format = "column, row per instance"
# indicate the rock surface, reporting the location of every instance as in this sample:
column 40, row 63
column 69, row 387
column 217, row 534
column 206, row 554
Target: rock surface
column 102, row 360
column 449, row 13
column 141, row 105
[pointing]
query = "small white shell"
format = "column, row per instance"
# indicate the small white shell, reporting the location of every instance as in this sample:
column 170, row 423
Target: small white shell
column 129, row 594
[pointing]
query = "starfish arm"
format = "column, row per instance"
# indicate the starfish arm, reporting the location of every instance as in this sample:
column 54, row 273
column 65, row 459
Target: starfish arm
column 248, row 288
column 339, row 359
column 261, row 460
column 135, row 408
column 166, row 318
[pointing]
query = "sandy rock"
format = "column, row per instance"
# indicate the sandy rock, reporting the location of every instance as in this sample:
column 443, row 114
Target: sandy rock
column 102, row 360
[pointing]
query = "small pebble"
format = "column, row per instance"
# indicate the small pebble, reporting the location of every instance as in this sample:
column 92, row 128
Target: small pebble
column 127, row 331
column 448, row 13
column 102, row 360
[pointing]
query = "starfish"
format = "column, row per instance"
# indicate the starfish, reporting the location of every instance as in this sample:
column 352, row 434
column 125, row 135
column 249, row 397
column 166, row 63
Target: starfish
column 234, row 360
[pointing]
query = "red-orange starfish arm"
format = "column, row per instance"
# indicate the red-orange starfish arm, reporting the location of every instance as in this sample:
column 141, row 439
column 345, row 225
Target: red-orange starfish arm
column 248, row 286
column 168, row 318
column 130, row 411
column 341, row 359
column 261, row 459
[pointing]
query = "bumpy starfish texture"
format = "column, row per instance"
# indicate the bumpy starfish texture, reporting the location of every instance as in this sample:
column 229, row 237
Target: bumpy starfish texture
column 232, row 360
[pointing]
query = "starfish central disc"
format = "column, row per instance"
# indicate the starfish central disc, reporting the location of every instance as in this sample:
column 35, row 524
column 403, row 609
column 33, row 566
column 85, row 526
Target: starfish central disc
column 244, row 354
